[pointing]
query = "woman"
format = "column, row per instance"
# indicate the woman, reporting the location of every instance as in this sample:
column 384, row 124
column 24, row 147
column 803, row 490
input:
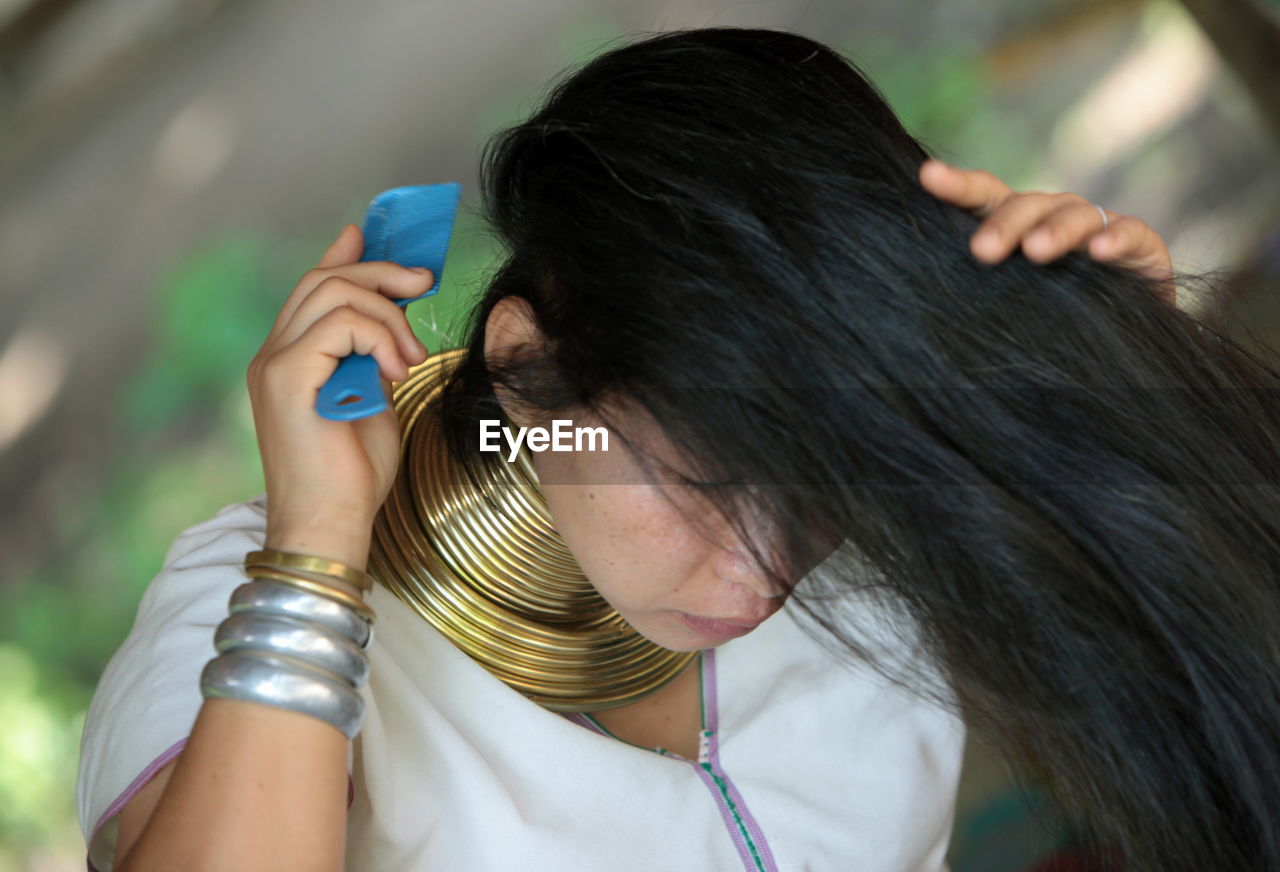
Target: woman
column 721, row 251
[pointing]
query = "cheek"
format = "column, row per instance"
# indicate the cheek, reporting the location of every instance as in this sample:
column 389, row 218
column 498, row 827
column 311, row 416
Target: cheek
column 631, row 544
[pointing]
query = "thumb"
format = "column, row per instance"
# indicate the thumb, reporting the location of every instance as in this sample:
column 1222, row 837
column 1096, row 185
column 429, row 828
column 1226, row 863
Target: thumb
column 346, row 249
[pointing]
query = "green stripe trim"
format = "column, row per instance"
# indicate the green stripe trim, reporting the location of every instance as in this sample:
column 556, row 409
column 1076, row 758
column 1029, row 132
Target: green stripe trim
column 737, row 819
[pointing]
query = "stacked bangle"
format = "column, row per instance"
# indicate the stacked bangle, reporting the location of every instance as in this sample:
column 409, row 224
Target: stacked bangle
column 297, row 638
column 319, row 565
column 257, row 676
column 273, row 597
column 334, row 590
column 293, row 641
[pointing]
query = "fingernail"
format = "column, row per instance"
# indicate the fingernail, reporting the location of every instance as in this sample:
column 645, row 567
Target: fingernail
column 419, row 269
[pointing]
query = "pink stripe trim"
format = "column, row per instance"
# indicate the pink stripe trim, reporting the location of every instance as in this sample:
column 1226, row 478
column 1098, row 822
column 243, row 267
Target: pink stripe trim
column 709, row 754
column 710, row 707
column 711, row 712
column 144, row 778
column 583, row 722
column 138, row 783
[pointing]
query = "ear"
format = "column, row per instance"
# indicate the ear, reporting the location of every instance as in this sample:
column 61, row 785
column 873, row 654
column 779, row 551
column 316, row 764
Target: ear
column 511, row 325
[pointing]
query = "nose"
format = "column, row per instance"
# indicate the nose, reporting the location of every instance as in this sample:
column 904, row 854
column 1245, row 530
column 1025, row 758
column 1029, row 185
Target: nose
column 735, row 565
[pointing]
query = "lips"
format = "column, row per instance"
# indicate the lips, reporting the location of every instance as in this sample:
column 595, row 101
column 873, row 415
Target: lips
column 717, row 628
column 737, row 622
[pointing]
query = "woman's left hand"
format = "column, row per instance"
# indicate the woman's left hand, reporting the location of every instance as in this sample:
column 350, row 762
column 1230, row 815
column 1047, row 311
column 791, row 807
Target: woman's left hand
column 1047, row 226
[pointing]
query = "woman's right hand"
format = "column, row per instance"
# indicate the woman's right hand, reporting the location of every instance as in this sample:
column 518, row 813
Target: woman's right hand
column 327, row 479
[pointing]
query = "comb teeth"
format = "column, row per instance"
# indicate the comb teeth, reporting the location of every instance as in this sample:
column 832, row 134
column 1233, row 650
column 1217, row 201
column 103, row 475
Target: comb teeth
column 411, row 226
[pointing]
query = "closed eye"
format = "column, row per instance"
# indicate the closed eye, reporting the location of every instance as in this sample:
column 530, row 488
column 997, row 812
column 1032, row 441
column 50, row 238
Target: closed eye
column 706, row 485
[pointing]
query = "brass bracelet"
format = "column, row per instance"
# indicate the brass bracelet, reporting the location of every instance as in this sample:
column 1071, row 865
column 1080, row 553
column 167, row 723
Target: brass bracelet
column 322, row 565
column 314, row 578
column 347, row 597
column 317, row 577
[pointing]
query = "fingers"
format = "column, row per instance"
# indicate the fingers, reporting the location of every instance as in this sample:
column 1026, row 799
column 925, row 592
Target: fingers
column 1047, row 226
column 336, row 291
column 975, row 190
column 1010, row 223
column 346, row 248
column 1132, row 244
column 388, row 279
column 304, row 365
column 342, row 307
column 1062, row 230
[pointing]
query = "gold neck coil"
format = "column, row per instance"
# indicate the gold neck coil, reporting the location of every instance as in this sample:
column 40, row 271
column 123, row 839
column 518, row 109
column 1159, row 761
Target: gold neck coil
column 486, row 568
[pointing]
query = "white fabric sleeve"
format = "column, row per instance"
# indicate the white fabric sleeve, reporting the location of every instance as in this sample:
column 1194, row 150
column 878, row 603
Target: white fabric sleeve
column 147, row 699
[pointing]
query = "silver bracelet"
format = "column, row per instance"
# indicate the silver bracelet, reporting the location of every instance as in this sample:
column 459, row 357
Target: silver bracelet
column 259, row 676
column 314, row 645
column 277, row 597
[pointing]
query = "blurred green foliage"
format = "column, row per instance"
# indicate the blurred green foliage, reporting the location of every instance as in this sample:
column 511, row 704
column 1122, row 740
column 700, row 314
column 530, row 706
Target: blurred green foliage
column 189, row 449
column 943, row 98
column 210, row 314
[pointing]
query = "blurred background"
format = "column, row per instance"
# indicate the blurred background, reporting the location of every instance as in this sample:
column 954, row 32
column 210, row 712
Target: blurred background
column 169, row 168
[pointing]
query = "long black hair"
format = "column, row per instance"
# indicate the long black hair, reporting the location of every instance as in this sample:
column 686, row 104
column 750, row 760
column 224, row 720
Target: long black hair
column 1063, row 484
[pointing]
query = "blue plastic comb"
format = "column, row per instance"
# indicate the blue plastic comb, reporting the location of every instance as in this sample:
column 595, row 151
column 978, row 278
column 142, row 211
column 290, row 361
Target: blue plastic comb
column 409, row 226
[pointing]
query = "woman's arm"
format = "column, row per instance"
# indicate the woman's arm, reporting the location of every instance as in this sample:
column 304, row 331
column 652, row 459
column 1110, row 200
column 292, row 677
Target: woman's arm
column 255, row 787
column 259, row 787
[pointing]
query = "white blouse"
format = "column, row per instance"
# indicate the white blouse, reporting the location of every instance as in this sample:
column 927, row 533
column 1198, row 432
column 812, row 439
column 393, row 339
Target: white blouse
column 806, row 762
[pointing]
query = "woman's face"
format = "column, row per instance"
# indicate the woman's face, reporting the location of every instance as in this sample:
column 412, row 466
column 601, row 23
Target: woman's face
column 684, row 586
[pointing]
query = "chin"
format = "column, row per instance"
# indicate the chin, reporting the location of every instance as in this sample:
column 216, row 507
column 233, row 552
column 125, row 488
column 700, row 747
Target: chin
column 686, row 645
column 674, row 640
column 675, row 634
column 670, row 634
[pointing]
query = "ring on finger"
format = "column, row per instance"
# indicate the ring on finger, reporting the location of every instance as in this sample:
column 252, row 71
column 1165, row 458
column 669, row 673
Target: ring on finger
column 1106, row 222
